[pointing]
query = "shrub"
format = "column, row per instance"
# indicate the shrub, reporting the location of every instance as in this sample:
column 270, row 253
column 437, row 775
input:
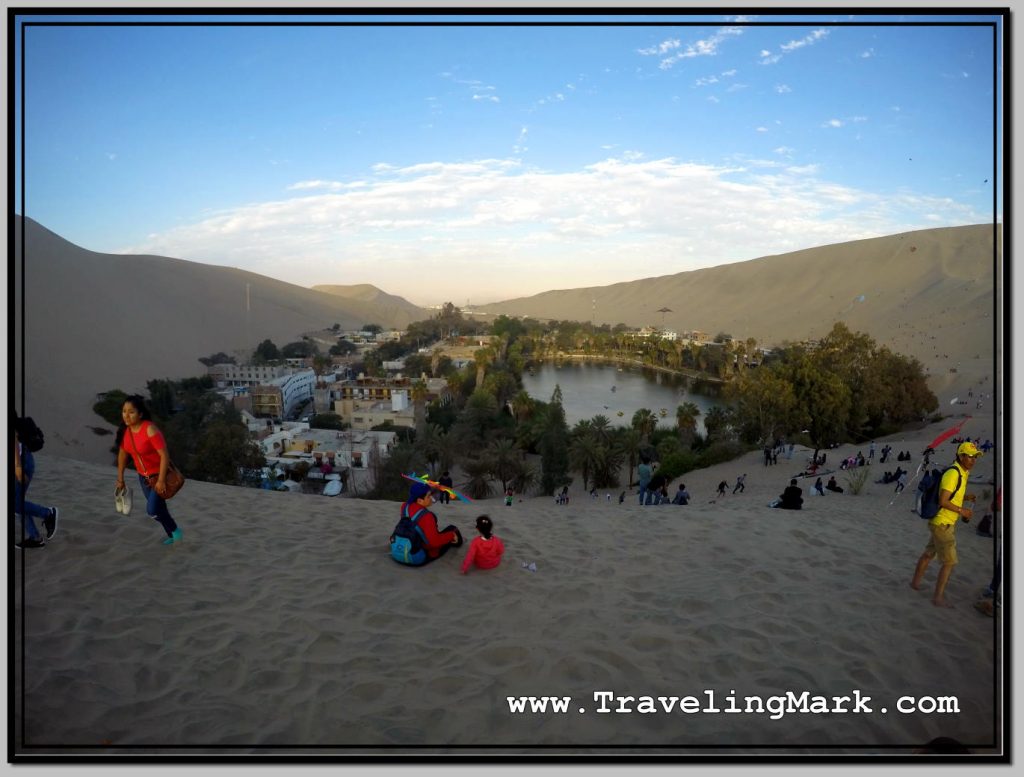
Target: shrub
column 857, row 478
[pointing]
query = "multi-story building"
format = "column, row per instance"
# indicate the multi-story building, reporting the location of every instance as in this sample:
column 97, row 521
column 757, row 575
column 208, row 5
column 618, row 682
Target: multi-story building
column 367, row 402
column 278, row 397
column 228, row 375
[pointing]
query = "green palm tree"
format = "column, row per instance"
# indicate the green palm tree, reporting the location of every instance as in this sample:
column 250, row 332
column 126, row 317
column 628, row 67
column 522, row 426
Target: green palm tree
column 584, row 455
column 419, row 401
column 478, row 479
column 645, row 420
column 686, row 421
column 483, row 357
column 502, row 456
column 428, row 443
column 522, row 406
column 447, row 450
column 526, row 477
column 628, row 443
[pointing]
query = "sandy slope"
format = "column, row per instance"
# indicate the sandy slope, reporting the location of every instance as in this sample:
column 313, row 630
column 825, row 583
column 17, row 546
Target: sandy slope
column 102, row 321
column 95, row 322
column 928, row 294
column 281, row 620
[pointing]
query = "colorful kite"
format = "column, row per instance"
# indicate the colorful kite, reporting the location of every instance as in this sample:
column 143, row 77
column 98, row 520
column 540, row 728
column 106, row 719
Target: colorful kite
column 436, row 486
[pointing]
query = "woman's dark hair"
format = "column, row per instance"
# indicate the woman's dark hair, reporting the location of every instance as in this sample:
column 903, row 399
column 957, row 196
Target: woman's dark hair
column 139, row 403
column 484, row 525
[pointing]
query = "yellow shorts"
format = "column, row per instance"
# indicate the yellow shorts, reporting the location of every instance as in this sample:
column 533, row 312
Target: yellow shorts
column 942, row 542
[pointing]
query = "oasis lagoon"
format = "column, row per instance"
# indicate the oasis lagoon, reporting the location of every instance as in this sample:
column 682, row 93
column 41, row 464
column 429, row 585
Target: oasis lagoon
column 596, row 388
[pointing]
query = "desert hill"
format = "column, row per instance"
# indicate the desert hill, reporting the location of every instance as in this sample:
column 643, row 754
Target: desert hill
column 385, row 304
column 98, row 321
column 928, row 294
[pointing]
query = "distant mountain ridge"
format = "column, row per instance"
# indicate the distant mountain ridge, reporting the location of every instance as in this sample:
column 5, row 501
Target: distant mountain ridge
column 387, row 304
column 894, row 288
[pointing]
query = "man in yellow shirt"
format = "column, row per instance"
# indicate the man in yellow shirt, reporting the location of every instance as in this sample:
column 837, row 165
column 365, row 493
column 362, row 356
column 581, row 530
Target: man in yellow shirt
column 943, row 526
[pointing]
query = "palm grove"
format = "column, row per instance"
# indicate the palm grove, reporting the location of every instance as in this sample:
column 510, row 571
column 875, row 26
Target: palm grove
column 844, row 388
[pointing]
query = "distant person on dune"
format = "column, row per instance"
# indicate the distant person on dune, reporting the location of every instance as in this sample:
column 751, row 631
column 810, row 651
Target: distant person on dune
column 643, row 473
column 682, row 496
column 740, row 483
column 445, row 480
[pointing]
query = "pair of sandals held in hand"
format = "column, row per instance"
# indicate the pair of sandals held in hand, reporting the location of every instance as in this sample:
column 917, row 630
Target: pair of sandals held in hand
column 123, row 500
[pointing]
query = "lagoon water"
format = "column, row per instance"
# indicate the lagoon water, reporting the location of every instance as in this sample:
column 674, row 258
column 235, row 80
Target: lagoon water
column 587, row 391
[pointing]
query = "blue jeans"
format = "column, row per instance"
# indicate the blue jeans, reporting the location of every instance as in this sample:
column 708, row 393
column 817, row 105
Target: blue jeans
column 643, row 490
column 28, row 510
column 156, row 508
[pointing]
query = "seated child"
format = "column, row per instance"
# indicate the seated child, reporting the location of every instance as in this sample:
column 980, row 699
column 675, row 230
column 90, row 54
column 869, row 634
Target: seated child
column 484, row 551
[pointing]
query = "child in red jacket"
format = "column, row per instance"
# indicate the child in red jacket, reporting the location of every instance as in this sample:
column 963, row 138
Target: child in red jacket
column 484, row 551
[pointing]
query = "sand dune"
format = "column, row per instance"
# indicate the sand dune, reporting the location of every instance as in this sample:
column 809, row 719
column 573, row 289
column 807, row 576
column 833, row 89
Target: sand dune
column 95, row 322
column 280, row 620
column 927, row 294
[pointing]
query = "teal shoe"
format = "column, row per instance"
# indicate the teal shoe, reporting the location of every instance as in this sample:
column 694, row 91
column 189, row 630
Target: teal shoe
column 175, row 537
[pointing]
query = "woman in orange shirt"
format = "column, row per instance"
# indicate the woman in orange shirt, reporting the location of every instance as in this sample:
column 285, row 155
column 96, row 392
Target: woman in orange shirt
column 138, row 437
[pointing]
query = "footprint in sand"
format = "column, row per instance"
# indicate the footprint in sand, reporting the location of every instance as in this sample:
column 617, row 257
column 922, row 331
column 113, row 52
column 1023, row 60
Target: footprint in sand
column 810, row 539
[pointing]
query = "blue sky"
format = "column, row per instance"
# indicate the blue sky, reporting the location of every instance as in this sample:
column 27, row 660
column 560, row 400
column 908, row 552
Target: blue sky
column 476, row 164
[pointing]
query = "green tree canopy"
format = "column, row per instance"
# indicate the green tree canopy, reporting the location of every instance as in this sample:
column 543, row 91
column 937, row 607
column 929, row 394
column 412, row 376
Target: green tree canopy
column 218, row 358
column 266, row 352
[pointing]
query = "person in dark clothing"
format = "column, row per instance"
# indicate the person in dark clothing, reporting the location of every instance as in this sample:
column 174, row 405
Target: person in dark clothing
column 792, row 498
column 445, row 480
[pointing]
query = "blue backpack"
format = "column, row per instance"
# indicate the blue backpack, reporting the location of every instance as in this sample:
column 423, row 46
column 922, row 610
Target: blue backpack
column 930, row 495
column 407, row 540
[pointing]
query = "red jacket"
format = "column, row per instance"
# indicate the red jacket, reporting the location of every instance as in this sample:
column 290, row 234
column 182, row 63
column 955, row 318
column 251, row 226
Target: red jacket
column 485, row 553
column 427, row 522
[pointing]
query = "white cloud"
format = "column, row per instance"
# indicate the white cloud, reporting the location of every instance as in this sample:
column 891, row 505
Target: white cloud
column 520, row 145
column 814, row 37
column 782, row 89
column 303, row 185
column 833, row 123
column 701, row 48
column 111, row 156
column 480, row 220
column 662, row 48
column 713, row 99
column 767, row 58
column 867, row 54
column 488, row 97
column 785, row 150
column 762, row 129
column 713, row 79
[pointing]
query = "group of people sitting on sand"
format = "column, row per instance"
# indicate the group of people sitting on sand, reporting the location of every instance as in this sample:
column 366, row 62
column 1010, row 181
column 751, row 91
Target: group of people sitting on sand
column 416, row 539
column 891, row 477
